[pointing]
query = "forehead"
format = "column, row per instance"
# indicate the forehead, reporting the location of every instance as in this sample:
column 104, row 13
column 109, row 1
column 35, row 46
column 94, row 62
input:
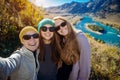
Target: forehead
column 30, row 32
column 48, row 25
column 58, row 21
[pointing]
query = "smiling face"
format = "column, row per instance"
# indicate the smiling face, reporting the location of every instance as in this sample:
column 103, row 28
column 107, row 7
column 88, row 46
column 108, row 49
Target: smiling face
column 33, row 42
column 63, row 29
column 48, row 33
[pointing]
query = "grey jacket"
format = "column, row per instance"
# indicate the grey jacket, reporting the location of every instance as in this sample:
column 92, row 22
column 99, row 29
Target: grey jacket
column 81, row 70
column 19, row 66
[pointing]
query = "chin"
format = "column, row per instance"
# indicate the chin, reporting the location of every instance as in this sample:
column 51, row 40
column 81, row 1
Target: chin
column 33, row 49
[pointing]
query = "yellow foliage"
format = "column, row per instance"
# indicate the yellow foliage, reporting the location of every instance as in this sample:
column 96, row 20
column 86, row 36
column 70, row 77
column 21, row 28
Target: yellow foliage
column 105, row 59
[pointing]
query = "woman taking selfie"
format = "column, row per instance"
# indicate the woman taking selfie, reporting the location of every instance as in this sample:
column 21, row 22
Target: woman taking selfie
column 22, row 64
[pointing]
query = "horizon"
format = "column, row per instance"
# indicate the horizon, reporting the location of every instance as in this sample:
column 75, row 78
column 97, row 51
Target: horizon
column 50, row 3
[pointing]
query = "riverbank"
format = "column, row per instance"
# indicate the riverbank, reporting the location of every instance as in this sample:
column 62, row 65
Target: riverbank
column 86, row 26
column 110, row 20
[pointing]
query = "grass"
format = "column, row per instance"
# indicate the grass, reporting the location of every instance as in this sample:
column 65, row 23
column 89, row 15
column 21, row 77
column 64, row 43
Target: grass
column 105, row 61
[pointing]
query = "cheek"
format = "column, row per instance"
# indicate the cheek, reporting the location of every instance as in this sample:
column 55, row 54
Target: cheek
column 59, row 32
column 66, row 27
column 52, row 34
column 37, row 40
column 24, row 42
column 42, row 34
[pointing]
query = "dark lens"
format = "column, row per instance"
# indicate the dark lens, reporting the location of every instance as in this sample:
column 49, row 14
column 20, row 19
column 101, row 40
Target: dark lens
column 27, row 37
column 57, row 28
column 51, row 29
column 63, row 24
column 35, row 35
column 44, row 28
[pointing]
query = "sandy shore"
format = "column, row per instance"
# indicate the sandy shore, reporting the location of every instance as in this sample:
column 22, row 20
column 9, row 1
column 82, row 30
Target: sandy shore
column 86, row 26
column 110, row 19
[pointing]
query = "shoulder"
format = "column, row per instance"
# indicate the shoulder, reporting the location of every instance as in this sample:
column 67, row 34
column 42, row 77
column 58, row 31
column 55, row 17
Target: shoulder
column 82, row 39
column 80, row 35
column 16, row 54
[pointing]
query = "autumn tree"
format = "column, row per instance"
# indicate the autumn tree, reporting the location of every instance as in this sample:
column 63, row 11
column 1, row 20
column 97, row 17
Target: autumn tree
column 15, row 14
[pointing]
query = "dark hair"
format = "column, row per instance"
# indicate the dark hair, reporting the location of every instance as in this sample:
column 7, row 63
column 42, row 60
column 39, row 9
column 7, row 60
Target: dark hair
column 55, row 55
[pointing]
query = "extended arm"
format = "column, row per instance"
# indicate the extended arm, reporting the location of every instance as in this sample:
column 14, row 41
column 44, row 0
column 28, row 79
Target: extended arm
column 8, row 65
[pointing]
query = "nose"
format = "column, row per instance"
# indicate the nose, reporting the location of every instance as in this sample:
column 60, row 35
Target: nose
column 32, row 40
column 61, row 27
column 48, row 30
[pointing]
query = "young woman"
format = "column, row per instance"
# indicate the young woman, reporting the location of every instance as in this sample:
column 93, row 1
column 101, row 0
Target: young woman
column 74, row 52
column 22, row 64
column 48, row 56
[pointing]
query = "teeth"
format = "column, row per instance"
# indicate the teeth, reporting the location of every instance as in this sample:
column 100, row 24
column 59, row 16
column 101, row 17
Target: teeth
column 32, row 45
column 47, row 34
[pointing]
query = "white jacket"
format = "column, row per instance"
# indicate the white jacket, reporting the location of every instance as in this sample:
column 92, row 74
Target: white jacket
column 19, row 66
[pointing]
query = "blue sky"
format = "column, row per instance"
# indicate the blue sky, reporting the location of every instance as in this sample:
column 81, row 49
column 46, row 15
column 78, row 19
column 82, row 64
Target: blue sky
column 48, row 3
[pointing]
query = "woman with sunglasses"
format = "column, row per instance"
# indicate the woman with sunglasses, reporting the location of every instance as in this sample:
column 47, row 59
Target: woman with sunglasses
column 48, row 56
column 74, row 52
column 23, row 63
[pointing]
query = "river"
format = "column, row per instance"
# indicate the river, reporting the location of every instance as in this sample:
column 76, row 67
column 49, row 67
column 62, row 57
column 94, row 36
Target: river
column 110, row 35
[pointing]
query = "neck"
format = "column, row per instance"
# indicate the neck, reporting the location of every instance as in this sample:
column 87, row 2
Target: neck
column 47, row 41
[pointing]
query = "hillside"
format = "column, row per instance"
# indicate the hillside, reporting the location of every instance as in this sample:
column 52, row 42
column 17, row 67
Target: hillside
column 100, row 9
column 93, row 6
column 105, row 61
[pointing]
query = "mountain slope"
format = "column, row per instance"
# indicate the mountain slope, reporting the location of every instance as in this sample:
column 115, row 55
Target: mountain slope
column 93, row 6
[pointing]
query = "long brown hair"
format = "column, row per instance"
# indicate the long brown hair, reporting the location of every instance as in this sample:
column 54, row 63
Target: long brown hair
column 69, row 51
column 55, row 55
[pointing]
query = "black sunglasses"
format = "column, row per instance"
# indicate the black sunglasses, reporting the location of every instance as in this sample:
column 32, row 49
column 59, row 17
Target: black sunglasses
column 61, row 25
column 51, row 29
column 27, row 37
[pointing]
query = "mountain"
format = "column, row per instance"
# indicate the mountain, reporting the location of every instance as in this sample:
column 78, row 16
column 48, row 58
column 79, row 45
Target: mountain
column 96, row 7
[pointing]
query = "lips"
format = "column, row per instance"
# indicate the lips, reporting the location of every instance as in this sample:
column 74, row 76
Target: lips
column 32, row 44
column 47, row 35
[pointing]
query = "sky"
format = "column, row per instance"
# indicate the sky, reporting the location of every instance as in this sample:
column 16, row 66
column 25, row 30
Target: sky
column 49, row 3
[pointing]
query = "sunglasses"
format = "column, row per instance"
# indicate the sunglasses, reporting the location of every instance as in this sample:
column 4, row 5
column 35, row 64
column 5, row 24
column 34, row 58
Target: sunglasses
column 63, row 24
column 51, row 29
column 27, row 37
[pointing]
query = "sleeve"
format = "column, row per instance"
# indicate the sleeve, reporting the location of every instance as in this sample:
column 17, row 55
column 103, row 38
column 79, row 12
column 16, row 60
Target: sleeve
column 84, row 63
column 8, row 65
